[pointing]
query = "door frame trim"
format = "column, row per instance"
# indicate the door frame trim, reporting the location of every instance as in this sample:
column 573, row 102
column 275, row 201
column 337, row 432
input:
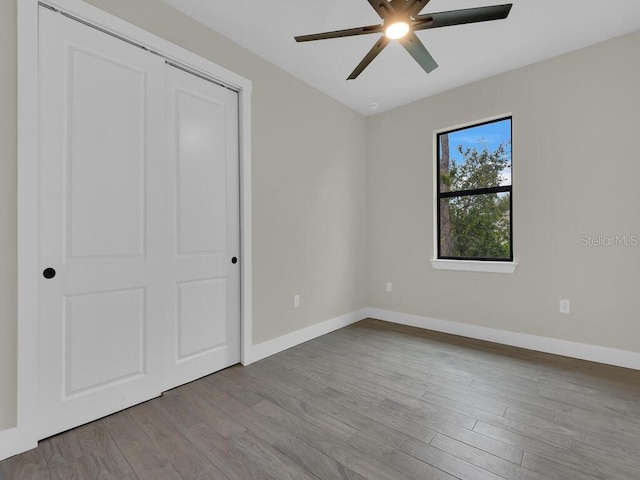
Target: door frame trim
column 24, row 435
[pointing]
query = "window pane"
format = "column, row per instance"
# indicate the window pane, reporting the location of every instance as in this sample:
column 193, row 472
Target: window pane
column 476, row 226
column 475, row 157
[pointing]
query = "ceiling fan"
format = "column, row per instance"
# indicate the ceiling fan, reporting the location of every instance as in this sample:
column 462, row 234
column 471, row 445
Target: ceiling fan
column 401, row 20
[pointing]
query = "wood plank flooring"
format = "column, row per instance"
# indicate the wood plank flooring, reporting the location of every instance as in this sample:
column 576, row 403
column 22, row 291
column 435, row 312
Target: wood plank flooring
column 371, row 401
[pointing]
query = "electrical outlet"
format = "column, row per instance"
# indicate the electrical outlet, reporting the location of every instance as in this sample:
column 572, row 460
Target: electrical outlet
column 296, row 301
column 389, row 287
column 565, row 306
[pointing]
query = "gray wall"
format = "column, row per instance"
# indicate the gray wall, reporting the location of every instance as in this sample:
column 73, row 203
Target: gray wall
column 309, row 191
column 575, row 172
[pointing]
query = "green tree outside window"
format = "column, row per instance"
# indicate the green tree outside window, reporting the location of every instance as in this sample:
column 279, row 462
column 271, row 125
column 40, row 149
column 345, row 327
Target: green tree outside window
column 474, row 193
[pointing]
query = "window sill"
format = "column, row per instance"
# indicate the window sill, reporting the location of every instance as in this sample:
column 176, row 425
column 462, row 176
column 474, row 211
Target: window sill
column 474, row 266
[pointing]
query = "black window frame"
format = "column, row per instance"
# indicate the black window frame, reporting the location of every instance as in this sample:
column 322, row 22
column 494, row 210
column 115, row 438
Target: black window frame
column 476, row 191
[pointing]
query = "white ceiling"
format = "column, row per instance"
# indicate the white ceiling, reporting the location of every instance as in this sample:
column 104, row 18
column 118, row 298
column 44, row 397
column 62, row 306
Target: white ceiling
column 535, row 30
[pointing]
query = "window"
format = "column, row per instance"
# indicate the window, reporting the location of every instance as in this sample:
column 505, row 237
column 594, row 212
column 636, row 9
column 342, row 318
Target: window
column 474, row 210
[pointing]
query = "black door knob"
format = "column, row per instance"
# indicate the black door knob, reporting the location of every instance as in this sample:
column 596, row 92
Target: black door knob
column 49, row 273
column 234, row 260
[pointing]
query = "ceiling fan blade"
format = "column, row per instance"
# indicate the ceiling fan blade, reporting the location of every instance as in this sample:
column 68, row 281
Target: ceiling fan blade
column 373, row 53
column 349, row 32
column 461, row 17
column 383, row 8
column 419, row 52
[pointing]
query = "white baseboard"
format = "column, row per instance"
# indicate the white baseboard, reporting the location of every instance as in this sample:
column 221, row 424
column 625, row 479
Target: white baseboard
column 583, row 351
column 12, row 442
column 271, row 347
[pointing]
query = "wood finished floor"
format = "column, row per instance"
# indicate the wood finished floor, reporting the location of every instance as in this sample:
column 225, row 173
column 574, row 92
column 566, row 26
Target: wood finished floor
column 371, row 401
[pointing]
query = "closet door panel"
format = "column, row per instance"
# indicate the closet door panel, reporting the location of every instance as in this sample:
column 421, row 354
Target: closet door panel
column 204, row 335
column 102, row 221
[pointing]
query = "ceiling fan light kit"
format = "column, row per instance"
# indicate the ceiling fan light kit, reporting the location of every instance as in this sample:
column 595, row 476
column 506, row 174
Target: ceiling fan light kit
column 401, row 21
column 397, row 30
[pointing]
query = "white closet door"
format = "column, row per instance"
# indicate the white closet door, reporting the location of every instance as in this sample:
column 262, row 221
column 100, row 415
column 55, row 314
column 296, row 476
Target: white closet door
column 204, row 177
column 102, row 206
